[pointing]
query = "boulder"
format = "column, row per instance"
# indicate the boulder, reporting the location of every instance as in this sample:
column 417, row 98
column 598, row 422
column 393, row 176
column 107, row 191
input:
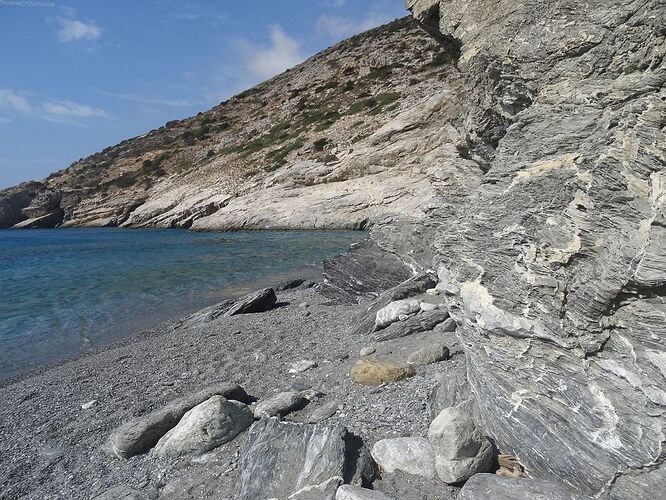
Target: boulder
column 205, row 427
column 461, row 450
column 348, row 492
column 447, row 326
column 279, row 459
column 142, row 433
column 415, row 324
column 414, row 455
column 259, row 301
column 393, row 311
column 289, row 284
column 365, row 322
column 428, row 354
column 323, row 412
column 280, row 405
column 372, row 371
column 206, row 315
column 484, row 486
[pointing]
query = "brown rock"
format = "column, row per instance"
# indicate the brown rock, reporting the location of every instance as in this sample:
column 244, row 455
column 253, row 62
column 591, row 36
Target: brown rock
column 372, row 371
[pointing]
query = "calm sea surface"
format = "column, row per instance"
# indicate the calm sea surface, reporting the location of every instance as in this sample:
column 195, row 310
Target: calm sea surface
column 63, row 292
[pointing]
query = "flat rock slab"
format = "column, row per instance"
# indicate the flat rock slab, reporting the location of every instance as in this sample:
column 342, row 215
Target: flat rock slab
column 484, row 486
column 281, row 404
column 140, row 434
column 255, row 302
column 348, row 492
column 413, row 455
column 205, row 427
column 428, row 354
column 372, row 371
column 279, row 459
column 419, row 323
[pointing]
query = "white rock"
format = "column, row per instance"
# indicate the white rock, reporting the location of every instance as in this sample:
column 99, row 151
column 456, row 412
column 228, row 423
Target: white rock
column 303, row 365
column 413, row 455
column 89, row 404
column 461, row 450
column 349, row 492
column 392, row 312
column 367, row 351
column 205, row 427
column 428, row 306
column 432, row 291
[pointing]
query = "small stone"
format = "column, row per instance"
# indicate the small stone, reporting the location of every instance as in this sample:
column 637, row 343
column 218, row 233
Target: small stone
column 348, row 492
column 413, row 455
column 89, row 404
column 280, row 404
column 299, row 385
column 367, row 351
column 303, row 365
column 461, row 450
column 446, row 326
column 303, row 305
column 323, row 412
column 432, row 291
column 426, row 355
column 372, row 371
column 428, row 306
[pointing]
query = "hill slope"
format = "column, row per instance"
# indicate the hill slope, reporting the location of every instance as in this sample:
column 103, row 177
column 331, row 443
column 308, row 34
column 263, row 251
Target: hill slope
column 311, row 148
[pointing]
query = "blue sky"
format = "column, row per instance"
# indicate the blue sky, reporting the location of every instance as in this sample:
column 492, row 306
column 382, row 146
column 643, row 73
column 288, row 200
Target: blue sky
column 77, row 76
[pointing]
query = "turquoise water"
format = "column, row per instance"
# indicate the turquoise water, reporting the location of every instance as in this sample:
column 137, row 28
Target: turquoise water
column 63, row 292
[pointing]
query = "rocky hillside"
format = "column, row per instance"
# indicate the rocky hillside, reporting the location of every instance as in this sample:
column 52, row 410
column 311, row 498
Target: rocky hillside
column 311, row 148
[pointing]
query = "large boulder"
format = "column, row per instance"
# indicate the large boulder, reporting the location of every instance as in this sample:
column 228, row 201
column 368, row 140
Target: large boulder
column 554, row 267
column 205, row 427
column 393, row 311
column 281, row 459
column 259, row 301
column 140, row 434
column 461, row 450
column 348, row 492
column 414, row 455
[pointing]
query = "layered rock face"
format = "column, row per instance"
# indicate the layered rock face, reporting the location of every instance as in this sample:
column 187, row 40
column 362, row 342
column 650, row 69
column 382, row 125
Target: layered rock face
column 554, row 267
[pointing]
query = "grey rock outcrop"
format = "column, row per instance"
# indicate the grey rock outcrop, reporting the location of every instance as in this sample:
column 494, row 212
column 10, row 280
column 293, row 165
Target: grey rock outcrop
column 142, row 433
column 281, row 459
column 484, row 486
column 205, row 427
column 461, row 450
column 553, row 267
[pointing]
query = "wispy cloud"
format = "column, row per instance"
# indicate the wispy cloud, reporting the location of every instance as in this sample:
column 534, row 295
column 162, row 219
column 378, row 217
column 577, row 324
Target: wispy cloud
column 69, row 29
column 264, row 62
column 4, row 120
column 178, row 103
column 71, row 109
column 13, row 100
column 342, row 27
column 58, row 110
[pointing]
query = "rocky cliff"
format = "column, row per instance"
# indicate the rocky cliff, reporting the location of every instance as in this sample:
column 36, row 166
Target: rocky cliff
column 554, row 265
column 339, row 141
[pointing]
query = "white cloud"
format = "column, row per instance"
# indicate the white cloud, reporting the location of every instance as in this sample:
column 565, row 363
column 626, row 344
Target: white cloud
column 70, row 29
column 69, row 109
column 12, row 100
column 343, row 27
column 179, row 103
column 4, row 120
column 265, row 62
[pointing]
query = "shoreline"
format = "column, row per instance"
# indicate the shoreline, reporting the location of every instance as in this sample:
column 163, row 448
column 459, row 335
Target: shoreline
column 230, row 292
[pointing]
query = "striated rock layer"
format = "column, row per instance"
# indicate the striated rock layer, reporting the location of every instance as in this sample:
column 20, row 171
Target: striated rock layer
column 555, row 265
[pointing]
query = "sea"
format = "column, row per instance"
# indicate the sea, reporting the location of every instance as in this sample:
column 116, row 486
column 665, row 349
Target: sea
column 65, row 292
